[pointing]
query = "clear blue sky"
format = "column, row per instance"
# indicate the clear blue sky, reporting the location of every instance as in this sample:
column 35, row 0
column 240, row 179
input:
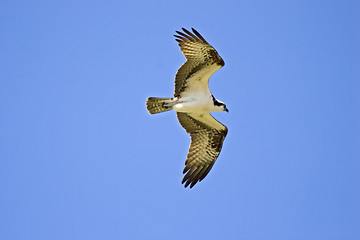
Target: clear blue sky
column 80, row 157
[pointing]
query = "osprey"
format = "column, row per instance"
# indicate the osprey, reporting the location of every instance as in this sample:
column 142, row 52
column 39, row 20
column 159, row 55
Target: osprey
column 193, row 103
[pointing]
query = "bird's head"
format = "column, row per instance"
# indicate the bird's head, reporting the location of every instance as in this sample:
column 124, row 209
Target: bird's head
column 220, row 105
column 224, row 108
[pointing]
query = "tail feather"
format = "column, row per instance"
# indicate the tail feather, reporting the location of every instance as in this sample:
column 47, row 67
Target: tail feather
column 158, row 105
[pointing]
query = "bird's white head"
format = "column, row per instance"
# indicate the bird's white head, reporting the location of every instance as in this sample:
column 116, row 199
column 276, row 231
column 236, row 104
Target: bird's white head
column 219, row 105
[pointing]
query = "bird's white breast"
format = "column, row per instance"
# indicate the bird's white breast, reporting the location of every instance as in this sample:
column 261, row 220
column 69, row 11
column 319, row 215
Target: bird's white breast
column 197, row 102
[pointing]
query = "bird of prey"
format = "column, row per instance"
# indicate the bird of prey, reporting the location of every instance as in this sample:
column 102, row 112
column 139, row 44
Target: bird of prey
column 193, row 103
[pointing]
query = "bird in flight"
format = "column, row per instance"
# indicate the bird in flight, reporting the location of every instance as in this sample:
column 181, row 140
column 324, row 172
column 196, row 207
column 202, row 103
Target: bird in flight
column 193, row 103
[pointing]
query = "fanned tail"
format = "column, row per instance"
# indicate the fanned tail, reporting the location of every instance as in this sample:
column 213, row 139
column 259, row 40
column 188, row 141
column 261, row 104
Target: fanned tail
column 158, row 105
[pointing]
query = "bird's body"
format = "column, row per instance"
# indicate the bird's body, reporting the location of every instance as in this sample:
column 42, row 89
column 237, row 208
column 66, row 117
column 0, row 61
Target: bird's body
column 193, row 103
column 202, row 103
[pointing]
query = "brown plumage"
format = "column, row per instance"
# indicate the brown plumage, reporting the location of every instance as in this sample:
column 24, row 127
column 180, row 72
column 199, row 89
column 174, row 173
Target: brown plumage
column 199, row 54
column 207, row 136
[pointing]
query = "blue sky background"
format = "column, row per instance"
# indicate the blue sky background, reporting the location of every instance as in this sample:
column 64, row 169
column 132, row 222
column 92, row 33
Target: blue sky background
column 80, row 157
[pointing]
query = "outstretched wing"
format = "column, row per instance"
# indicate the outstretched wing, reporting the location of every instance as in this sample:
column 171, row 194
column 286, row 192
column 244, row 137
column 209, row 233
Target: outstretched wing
column 202, row 62
column 207, row 137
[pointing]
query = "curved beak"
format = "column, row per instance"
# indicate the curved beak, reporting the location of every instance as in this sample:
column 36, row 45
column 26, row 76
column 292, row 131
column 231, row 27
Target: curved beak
column 227, row 110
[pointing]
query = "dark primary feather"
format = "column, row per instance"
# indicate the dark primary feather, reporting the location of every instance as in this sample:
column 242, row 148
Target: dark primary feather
column 199, row 54
column 207, row 137
column 198, row 34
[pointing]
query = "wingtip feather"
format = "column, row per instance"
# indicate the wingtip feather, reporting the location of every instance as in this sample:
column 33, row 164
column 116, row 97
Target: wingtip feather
column 190, row 34
column 199, row 35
